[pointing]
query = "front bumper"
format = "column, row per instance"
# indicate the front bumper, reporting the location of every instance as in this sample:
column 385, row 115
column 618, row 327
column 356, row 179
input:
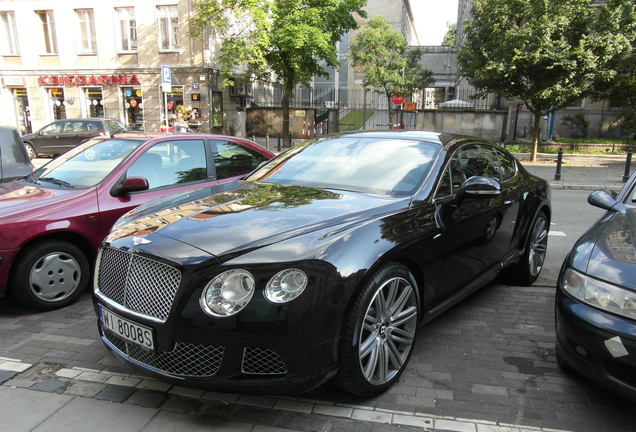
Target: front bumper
column 238, row 369
column 599, row 345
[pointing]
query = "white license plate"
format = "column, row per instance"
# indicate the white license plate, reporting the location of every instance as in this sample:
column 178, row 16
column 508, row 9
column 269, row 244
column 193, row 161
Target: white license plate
column 126, row 329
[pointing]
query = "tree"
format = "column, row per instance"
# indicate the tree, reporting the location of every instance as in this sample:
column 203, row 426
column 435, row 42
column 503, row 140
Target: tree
column 450, row 38
column 381, row 53
column 619, row 86
column 545, row 53
column 286, row 37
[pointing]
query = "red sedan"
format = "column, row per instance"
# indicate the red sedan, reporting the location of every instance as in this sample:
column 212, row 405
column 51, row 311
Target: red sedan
column 54, row 219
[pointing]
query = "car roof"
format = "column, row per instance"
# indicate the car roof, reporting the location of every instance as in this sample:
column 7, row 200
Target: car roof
column 445, row 139
column 149, row 135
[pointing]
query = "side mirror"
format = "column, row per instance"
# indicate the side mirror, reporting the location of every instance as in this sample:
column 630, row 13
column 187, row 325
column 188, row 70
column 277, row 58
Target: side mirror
column 128, row 185
column 479, row 187
column 606, row 201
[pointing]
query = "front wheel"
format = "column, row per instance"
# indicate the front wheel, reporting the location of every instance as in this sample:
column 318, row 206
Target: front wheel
column 30, row 151
column 379, row 332
column 528, row 268
column 50, row 275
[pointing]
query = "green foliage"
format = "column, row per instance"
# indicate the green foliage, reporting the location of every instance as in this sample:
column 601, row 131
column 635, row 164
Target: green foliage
column 542, row 52
column 382, row 55
column 288, row 38
column 578, row 123
column 354, row 120
column 450, row 38
column 618, row 85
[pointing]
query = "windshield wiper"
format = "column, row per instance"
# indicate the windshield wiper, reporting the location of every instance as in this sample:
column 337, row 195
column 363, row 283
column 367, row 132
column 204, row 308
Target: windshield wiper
column 57, row 182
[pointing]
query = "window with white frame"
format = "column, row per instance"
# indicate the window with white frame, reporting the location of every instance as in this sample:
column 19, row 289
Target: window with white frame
column 48, row 31
column 9, row 39
column 126, row 29
column 88, row 42
column 168, row 27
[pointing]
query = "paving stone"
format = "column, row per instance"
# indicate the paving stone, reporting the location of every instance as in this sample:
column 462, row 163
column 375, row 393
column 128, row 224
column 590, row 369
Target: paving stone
column 50, row 386
column 148, row 399
column 20, row 383
column 6, row 375
column 84, row 389
column 115, row 393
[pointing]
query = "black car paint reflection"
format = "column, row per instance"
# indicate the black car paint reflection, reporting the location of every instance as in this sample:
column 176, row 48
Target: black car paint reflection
column 415, row 244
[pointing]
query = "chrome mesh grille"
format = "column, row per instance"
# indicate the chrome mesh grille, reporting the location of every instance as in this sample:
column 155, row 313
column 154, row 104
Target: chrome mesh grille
column 257, row 361
column 137, row 283
column 188, row 360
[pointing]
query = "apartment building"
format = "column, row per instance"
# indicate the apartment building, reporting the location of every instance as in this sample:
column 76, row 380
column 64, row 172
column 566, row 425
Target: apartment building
column 89, row 58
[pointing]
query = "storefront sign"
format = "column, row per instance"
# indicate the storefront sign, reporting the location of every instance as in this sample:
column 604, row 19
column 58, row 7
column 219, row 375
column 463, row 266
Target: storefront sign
column 79, row 80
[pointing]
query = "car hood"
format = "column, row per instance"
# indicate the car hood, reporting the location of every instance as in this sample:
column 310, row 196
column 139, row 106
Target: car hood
column 251, row 216
column 16, row 197
column 607, row 251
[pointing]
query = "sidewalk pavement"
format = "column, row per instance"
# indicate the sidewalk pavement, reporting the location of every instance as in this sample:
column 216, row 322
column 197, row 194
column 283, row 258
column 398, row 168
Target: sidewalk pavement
column 40, row 397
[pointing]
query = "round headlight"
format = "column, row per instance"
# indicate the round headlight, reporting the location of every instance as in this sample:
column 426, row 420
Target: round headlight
column 228, row 293
column 286, row 285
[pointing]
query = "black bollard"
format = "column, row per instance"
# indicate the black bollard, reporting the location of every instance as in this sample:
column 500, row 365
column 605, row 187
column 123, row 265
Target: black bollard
column 627, row 165
column 278, row 142
column 557, row 175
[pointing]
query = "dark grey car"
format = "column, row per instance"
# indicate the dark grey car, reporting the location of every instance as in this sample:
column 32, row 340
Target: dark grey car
column 14, row 161
column 62, row 135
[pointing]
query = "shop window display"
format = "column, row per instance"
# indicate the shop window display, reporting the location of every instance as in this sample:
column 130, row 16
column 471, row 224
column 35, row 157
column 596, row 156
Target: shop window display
column 133, row 107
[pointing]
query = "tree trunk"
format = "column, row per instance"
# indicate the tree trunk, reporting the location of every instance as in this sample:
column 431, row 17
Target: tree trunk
column 285, row 106
column 391, row 111
column 535, row 135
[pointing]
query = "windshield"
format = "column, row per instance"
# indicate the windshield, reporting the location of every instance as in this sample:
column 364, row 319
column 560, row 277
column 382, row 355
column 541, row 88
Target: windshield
column 373, row 165
column 86, row 165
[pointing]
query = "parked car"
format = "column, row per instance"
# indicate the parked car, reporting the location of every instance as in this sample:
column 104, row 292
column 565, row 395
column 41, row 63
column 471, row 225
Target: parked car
column 596, row 296
column 14, row 161
column 54, row 220
column 62, row 135
column 322, row 264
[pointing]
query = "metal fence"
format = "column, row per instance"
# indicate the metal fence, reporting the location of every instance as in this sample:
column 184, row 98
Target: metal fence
column 370, row 105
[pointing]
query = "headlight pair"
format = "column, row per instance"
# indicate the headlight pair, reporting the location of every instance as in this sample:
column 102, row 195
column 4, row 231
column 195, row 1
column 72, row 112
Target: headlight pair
column 601, row 295
column 229, row 292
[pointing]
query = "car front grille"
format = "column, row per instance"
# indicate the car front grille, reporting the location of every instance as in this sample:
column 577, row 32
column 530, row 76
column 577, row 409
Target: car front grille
column 187, row 360
column 139, row 284
column 257, row 361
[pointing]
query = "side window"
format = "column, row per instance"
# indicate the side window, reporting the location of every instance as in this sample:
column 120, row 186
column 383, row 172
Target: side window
column 444, row 187
column 53, row 128
column 508, row 166
column 171, row 163
column 92, row 126
column 232, row 159
column 476, row 160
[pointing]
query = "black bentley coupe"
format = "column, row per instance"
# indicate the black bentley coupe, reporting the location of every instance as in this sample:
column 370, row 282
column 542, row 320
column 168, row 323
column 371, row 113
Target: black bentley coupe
column 319, row 265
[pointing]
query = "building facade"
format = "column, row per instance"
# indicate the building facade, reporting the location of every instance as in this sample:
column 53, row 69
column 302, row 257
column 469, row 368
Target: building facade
column 88, row 58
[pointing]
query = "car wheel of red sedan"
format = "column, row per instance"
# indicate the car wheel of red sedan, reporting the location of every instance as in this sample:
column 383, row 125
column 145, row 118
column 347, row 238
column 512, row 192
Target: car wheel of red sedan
column 50, row 275
column 379, row 335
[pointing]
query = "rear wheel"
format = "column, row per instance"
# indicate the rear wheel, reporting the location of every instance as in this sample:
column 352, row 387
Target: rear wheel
column 379, row 333
column 50, row 275
column 528, row 268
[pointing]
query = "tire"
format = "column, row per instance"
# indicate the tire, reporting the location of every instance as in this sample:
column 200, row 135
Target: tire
column 527, row 270
column 379, row 332
column 49, row 275
column 30, row 151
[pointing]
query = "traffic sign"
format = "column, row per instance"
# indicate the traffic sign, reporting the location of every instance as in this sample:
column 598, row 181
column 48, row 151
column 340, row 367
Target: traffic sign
column 398, row 98
column 166, row 79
